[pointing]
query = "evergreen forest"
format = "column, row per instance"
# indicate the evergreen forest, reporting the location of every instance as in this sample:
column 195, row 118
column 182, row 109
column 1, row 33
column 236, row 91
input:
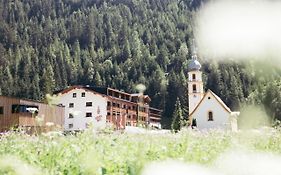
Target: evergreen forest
column 47, row 45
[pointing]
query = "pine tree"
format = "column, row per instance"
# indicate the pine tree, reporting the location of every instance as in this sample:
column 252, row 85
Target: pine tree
column 48, row 80
column 178, row 118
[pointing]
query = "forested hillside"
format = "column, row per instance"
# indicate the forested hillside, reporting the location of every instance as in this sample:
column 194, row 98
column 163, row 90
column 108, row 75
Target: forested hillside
column 46, row 45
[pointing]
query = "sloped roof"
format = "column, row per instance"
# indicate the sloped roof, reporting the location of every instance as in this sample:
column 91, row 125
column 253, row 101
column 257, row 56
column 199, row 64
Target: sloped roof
column 221, row 102
column 63, row 91
column 216, row 97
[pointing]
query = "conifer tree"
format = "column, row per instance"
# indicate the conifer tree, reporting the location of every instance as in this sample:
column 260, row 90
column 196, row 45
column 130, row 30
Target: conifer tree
column 178, row 118
column 48, row 80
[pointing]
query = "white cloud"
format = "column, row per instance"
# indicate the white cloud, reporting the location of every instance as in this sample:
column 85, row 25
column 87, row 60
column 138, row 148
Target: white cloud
column 240, row 29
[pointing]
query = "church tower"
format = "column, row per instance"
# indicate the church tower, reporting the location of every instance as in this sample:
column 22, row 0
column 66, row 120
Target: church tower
column 195, row 83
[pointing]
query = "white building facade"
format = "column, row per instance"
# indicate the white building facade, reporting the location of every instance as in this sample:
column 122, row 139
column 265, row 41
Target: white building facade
column 83, row 108
column 207, row 110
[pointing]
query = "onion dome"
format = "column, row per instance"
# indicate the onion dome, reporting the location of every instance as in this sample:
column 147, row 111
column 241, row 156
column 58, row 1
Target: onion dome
column 194, row 64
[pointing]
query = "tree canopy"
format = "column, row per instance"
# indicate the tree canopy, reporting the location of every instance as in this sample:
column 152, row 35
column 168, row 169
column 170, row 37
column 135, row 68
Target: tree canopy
column 47, row 45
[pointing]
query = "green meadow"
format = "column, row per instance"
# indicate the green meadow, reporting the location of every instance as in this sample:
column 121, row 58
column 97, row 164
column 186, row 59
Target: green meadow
column 122, row 153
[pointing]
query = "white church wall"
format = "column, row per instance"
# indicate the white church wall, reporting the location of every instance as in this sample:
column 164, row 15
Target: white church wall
column 220, row 115
column 80, row 121
column 193, row 101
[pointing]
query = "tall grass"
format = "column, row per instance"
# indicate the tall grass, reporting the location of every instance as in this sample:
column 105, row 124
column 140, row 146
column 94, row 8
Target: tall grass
column 90, row 153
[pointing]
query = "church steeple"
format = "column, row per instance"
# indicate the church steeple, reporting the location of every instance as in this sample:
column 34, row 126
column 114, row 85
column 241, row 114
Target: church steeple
column 195, row 83
column 194, row 64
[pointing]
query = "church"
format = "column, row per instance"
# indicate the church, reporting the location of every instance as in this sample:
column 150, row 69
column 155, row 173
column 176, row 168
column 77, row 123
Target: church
column 206, row 109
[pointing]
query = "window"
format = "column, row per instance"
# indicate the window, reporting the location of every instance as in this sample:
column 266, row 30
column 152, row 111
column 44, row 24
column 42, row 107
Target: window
column 209, row 98
column 1, row 110
column 24, row 108
column 71, row 105
column 108, row 103
column 70, row 125
column 88, row 104
column 74, row 95
column 210, row 116
column 88, row 114
column 108, row 113
column 83, row 94
column 193, row 76
column 194, row 88
column 70, row 115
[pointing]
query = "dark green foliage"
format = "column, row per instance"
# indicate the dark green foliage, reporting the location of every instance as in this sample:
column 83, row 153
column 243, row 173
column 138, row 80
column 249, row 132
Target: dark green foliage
column 178, row 118
column 46, row 45
column 269, row 96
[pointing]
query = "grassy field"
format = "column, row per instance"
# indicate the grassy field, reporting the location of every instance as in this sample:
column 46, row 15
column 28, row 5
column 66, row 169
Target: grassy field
column 89, row 153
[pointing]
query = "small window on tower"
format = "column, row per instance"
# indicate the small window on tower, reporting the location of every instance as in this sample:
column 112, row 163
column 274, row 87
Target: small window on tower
column 193, row 76
column 194, row 88
column 210, row 116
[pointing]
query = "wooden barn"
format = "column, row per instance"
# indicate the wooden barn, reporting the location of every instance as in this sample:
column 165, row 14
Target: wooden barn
column 15, row 112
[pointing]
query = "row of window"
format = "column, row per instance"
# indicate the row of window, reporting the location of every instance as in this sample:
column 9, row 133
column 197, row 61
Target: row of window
column 83, row 94
column 118, row 95
column 114, row 113
column 118, row 114
column 70, row 125
column 118, row 105
column 88, row 114
column 88, row 104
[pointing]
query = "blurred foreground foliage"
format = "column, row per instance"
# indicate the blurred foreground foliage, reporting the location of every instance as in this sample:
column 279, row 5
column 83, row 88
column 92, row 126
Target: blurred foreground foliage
column 88, row 153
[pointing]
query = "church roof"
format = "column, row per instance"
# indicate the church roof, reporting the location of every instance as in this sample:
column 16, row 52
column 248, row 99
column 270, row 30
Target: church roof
column 194, row 64
column 216, row 97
